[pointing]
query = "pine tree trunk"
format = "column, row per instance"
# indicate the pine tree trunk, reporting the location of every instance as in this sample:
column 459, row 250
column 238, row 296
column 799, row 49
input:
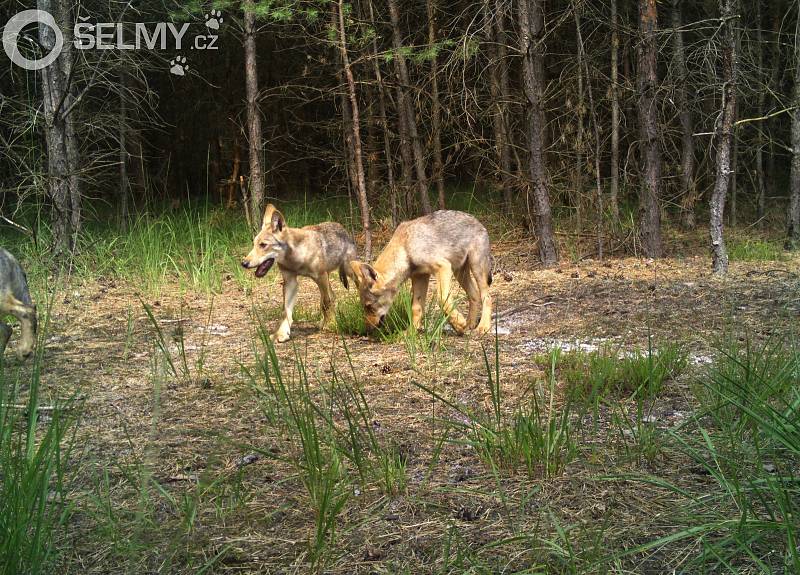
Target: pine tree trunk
column 54, row 93
column 577, row 186
column 734, row 179
column 122, row 206
column 504, row 143
column 436, row 111
column 614, row 193
column 371, row 145
column 406, row 155
column 688, row 185
column 387, row 148
column 648, row 126
column 598, row 207
column 256, row 183
column 494, row 29
column 358, row 164
column 778, row 66
column 406, row 107
column 761, row 106
column 531, row 39
column 723, row 137
column 71, row 143
column 793, row 228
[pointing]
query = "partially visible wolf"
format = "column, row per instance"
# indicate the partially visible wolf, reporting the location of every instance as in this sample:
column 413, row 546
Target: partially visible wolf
column 15, row 299
column 311, row 251
column 445, row 243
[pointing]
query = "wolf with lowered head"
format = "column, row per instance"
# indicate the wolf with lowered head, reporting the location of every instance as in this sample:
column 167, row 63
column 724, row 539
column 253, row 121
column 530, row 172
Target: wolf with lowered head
column 445, row 244
column 310, row 251
column 15, row 299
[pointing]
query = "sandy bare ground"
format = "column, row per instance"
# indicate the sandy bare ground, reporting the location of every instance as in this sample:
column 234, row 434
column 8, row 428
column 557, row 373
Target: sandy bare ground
column 188, row 434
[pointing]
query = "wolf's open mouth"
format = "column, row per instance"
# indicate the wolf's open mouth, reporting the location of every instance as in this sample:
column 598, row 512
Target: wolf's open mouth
column 264, row 267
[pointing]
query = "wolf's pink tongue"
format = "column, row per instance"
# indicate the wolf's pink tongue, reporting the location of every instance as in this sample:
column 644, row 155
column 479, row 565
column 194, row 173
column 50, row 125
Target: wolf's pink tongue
column 262, row 269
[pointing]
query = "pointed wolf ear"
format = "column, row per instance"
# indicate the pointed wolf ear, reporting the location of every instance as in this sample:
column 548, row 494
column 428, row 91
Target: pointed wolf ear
column 273, row 219
column 356, row 267
column 364, row 272
column 267, row 219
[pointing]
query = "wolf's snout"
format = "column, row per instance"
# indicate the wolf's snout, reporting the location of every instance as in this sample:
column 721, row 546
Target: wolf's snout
column 245, row 264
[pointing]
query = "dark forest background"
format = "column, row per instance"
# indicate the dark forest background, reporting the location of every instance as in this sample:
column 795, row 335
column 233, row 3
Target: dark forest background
column 600, row 116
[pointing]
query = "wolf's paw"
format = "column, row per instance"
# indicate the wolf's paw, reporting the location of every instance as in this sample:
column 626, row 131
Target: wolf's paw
column 279, row 337
column 22, row 355
column 328, row 322
column 481, row 329
column 459, row 325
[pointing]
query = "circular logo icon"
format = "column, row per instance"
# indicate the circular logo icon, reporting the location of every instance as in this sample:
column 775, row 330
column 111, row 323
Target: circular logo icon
column 11, row 37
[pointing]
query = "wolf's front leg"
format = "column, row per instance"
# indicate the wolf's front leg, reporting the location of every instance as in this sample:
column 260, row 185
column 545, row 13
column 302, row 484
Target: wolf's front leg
column 289, row 296
column 444, row 278
column 27, row 339
column 419, row 288
column 26, row 314
column 5, row 334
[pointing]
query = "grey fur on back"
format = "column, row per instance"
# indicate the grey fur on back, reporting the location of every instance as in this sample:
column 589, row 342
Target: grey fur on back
column 13, row 279
column 335, row 247
column 451, row 234
column 335, row 243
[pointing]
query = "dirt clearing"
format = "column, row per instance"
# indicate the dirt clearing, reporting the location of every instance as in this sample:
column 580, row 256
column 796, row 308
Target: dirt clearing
column 179, row 472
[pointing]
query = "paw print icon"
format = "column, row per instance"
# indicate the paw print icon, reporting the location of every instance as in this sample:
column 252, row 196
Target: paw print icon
column 178, row 66
column 213, row 20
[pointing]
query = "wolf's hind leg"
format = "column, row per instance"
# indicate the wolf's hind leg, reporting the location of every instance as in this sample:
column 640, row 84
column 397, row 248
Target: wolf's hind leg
column 444, row 278
column 289, row 296
column 473, row 294
column 326, row 300
column 481, row 273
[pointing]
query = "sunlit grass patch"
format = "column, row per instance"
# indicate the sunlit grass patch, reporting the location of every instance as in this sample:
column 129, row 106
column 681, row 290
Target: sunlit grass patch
column 335, row 447
column 592, row 375
column 754, row 250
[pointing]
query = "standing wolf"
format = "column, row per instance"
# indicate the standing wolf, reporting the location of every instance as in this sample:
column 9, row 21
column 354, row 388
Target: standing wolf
column 445, row 243
column 311, row 251
column 15, row 299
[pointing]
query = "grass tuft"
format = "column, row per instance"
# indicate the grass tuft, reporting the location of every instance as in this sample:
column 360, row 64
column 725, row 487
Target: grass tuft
column 34, row 452
column 747, row 443
column 589, row 377
column 754, row 250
